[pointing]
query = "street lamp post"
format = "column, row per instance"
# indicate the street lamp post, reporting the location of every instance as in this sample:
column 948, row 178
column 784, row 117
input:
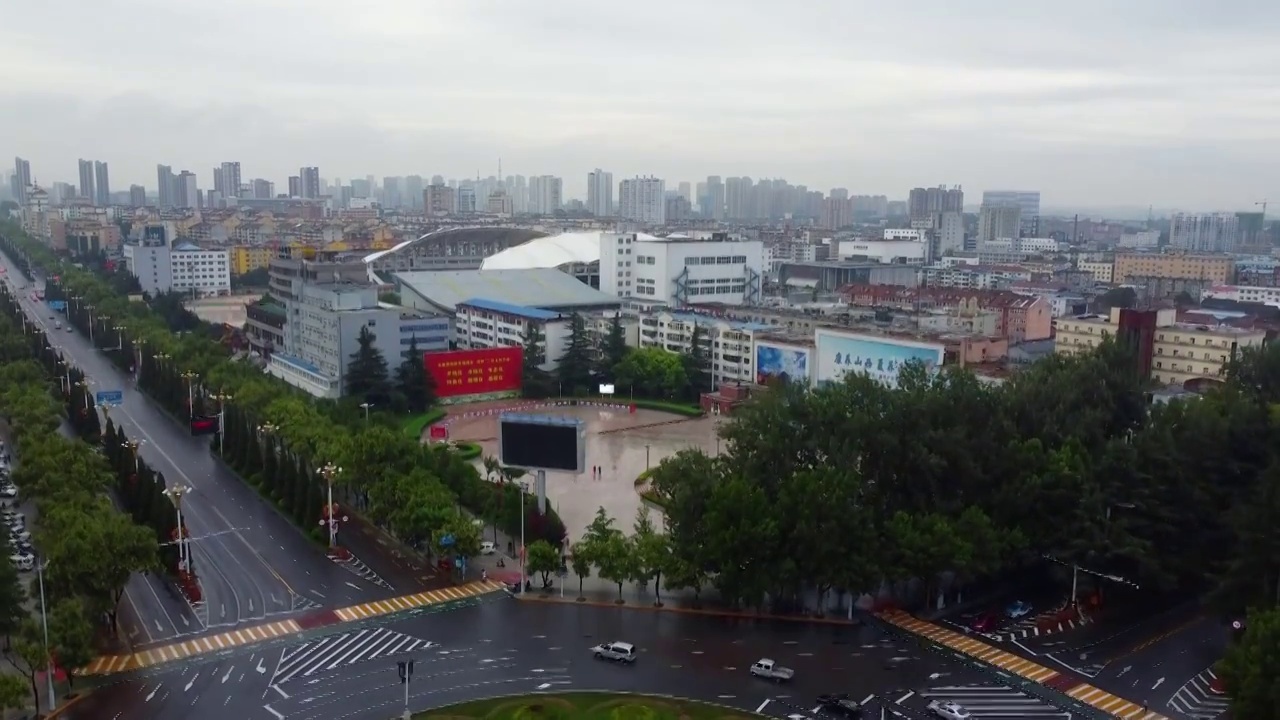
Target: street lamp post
column 646, row 457
column 133, row 446
column 44, row 620
column 64, row 377
column 84, row 385
column 176, row 493
column 365, row 406
column 222, row 399
column 329, row 472
column 524, row 488
column 191, row 376
column 90, row 310
column 119, row 337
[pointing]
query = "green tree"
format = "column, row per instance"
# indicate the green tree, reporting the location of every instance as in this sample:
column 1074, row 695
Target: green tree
column 12, row 596
column 580, row 561
column 13, row 693
column 366, row 376
column 615, row 559
column 413, row 380
column 613, row 348
column 1251, row 668
column 652, row 372
column 574, row 369
column 542, row 558
column 697, row 363
column 652, row 552
column 70, row 635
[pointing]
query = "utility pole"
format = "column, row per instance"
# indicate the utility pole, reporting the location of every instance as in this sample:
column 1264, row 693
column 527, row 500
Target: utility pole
column 405, row 668
column 222, row 399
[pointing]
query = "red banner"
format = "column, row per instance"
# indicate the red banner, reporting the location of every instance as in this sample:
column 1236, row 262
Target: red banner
column 439, row 432
column 474, row 372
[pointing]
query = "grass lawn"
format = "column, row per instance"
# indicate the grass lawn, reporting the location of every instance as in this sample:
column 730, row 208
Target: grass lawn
column 415, row 424
column 595, row 706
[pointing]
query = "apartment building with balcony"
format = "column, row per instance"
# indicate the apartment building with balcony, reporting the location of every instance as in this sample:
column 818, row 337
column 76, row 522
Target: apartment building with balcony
column 728, row 344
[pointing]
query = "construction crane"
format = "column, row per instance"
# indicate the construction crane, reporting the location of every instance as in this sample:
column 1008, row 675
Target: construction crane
column 1264, row 207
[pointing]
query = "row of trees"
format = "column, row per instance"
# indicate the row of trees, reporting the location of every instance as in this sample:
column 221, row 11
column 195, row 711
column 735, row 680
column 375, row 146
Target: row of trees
column 88, row 548
column 413, row 491
column 652, row 373
column 854, row 485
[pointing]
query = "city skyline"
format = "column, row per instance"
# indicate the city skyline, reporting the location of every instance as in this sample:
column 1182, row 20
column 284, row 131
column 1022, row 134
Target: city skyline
column 1166, row 103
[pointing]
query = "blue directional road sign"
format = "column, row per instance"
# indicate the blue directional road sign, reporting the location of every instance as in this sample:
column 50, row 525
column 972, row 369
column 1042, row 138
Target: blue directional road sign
column 110, row 397
column 59, row 305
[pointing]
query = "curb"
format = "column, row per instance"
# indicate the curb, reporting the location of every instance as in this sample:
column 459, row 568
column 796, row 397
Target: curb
column 729, row 614
column 58, row 711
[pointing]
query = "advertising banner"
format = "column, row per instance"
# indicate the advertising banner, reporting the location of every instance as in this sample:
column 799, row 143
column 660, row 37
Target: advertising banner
column 475, row 372
column 781, row 363
column 882, row 358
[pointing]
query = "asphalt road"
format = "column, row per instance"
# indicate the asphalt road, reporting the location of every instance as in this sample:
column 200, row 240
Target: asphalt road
column 501, row 646
column 1155, row 672
column 253, row 564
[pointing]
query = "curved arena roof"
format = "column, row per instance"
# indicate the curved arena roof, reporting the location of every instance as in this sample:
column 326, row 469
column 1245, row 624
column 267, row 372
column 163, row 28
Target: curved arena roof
column 478, row 233
column 548, row 252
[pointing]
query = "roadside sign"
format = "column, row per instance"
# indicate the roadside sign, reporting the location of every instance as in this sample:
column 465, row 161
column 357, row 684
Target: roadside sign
column 447, row 541
column 59, row 305
column 439, row 432
column 110, row 397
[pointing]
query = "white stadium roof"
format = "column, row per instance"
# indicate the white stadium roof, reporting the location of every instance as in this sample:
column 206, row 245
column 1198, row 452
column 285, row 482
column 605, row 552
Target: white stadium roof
column 551, row 252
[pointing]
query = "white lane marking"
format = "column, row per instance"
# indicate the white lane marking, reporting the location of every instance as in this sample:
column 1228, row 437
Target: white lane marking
column 282, row 692
column 228, row 675
column 261, row 668
column 159, row 627
column 867, row 699
column 268, row 708
column 153, row 692
column 1158, row 683
column 904, row 698
column 193, row 682
column 357, row 587
column 1026, row 649
column 762, row 706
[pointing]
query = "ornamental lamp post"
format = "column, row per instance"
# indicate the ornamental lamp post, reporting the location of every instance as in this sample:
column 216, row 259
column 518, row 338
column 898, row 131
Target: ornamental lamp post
column 222, row 399
column 365, row 406
column 133, row 446
column 119, row 336
column 84, row 385
column 191, row 376
column 329, row 472
column 175, row 494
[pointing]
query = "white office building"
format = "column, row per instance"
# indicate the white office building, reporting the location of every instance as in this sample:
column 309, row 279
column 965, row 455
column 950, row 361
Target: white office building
column 326, row 320
column 728, row 343
column 480, row 323
column 546, row 194
column 680, row 271
column 643, row 200
column 901, row 249
column 183, row 268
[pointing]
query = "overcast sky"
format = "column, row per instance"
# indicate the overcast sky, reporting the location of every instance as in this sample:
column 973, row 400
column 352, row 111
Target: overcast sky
column 1120, row 102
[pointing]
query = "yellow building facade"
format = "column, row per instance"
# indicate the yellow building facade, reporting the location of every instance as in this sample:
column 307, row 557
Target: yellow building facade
column 1215, row 269
column 246, row 258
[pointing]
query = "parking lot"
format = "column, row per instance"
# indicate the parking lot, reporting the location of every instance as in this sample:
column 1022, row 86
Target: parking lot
column 18, row 517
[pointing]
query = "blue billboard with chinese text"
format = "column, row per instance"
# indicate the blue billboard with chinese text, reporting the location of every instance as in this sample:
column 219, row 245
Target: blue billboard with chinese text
column 881, row 358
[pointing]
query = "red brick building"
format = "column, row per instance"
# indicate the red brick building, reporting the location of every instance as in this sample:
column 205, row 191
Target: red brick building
column 1022, row 317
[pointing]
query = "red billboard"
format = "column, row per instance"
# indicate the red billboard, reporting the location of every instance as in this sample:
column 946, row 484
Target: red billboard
column 474, row 372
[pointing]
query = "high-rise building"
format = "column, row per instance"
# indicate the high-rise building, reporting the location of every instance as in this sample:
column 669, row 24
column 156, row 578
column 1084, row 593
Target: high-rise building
column 1208, row 232
column 21, row 180
column 165, row 185
column 86, row 181
column 600, row 193
column 309, row 182
column 391, row 193
column 101, row 184
column 643, row 199
column 187, row 191
column 465, row 203
column 924, row 203
column 295, row 186
column 997, row 222
column 137, row 196
column 685, row 189
column 713, row 208
column 545, row 194
column 226, row 179
column 412, row 195
column 738, row 198
column 361, row 189
column 439, row 199
column 263, row 189
column 1028, row 202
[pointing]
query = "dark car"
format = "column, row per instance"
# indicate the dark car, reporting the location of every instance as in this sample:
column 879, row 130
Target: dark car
column 987, row 622
column 840, row 705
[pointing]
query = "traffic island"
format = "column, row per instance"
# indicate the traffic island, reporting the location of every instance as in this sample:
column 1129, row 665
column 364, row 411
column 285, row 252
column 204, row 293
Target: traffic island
column 592, row 705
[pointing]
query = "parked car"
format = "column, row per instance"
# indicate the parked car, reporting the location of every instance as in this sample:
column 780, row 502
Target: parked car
column 1018, row 609
column 25, row 563
column 769, row 670
column 841, row 705
column 948, row 710
column 986, row 622
column 487, row 548
column 616, row 651
column 9, row 491
column 19, row 535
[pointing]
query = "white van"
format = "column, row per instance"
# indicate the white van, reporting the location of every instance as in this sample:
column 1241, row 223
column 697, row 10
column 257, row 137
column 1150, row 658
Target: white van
column 615, row 651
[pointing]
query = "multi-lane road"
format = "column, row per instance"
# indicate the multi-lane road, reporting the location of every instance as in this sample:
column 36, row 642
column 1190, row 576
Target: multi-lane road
column 497, row 645
column 253, row 564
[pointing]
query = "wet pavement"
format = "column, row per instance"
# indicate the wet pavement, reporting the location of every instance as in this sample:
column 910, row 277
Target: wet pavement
column 622, row 443
column 501, row 646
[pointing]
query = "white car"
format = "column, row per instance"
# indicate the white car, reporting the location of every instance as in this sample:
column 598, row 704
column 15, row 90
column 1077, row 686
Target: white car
column 23, row 562
column 17, row 535
column 9, row 491
column 487, row 548
column 615, row 651
column 948, row 710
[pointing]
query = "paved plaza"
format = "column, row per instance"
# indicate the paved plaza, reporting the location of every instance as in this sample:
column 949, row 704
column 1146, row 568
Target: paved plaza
column 619, row 441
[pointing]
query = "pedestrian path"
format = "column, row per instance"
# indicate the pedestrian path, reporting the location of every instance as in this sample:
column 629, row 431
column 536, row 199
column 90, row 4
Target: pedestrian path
column 1020, row 666
column 110, row 664
column 337, row 651
column 422, row 599
column 1197, row 700
column 994, row 701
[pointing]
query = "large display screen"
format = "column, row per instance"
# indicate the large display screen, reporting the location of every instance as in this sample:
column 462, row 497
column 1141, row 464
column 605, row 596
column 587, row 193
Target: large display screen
column 882, row 358
column 475, row 372
column 781, row 363
column 542, row 444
